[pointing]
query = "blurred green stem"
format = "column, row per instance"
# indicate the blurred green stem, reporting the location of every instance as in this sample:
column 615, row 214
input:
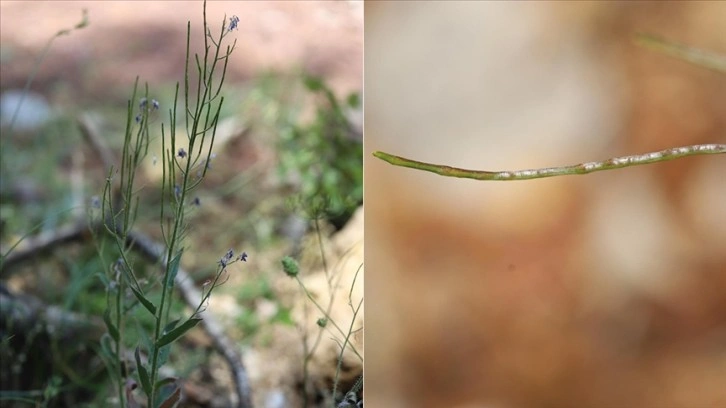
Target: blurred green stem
column 705, row 59
column 582, row 168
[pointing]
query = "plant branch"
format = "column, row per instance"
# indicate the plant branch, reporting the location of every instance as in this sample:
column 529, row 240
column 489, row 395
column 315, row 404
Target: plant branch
column 582, row 168
column 695, row 56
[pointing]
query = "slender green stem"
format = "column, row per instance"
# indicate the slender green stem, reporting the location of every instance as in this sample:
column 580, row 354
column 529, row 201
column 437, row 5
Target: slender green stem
column 346, row 342
column 198, row 124
column 582, row 168
column 325, row 313
column 36, row 66
column 695, row 56
column 120, row 325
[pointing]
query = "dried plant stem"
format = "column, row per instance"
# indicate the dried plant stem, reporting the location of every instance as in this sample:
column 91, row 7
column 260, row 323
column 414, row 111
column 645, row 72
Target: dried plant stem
column 582, row 168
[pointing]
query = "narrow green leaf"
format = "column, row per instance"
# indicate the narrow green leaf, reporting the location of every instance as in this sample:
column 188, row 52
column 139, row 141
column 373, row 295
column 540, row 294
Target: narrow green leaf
column 143, row 373
column 112, row 330
column 165, row 381
column 107, row 351
column 145, row 337
column 169, row 327
column 144, row 301
column 174, row 269
column 164, row 354
column 172, row 399
column 166, row 350
column 177, row 332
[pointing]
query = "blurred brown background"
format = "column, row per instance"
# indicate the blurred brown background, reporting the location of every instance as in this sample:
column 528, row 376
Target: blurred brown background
column 147, row 38
column 605, row 290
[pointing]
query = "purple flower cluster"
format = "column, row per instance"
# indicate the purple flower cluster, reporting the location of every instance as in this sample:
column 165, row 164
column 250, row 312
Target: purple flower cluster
column 233, row 21
column 225, row 260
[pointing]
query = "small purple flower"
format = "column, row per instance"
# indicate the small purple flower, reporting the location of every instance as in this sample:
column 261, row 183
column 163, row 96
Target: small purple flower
column 177, row 190
column 226, row 258
column 155, row 104
column 182, row 153
column 138, row 118
column 142, row 103
column 233, row 23
column 95, row 202
column 243, row 256
column 196, row 201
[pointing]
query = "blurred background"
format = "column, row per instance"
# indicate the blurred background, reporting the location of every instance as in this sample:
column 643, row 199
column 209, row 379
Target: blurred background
column 604, row 290
column 290, row 132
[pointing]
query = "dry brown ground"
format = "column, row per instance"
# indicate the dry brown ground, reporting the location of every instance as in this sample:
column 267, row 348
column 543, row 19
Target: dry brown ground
column 126, row 39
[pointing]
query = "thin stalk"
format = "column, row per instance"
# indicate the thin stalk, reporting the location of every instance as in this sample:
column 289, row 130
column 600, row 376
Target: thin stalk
column 175, row 232
column 36, row 66
column 120, row 325
column 710, row 60
column 582, row 168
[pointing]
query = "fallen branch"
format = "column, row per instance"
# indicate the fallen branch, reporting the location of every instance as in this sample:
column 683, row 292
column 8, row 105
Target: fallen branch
column 23, row 312
column 36, row 245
